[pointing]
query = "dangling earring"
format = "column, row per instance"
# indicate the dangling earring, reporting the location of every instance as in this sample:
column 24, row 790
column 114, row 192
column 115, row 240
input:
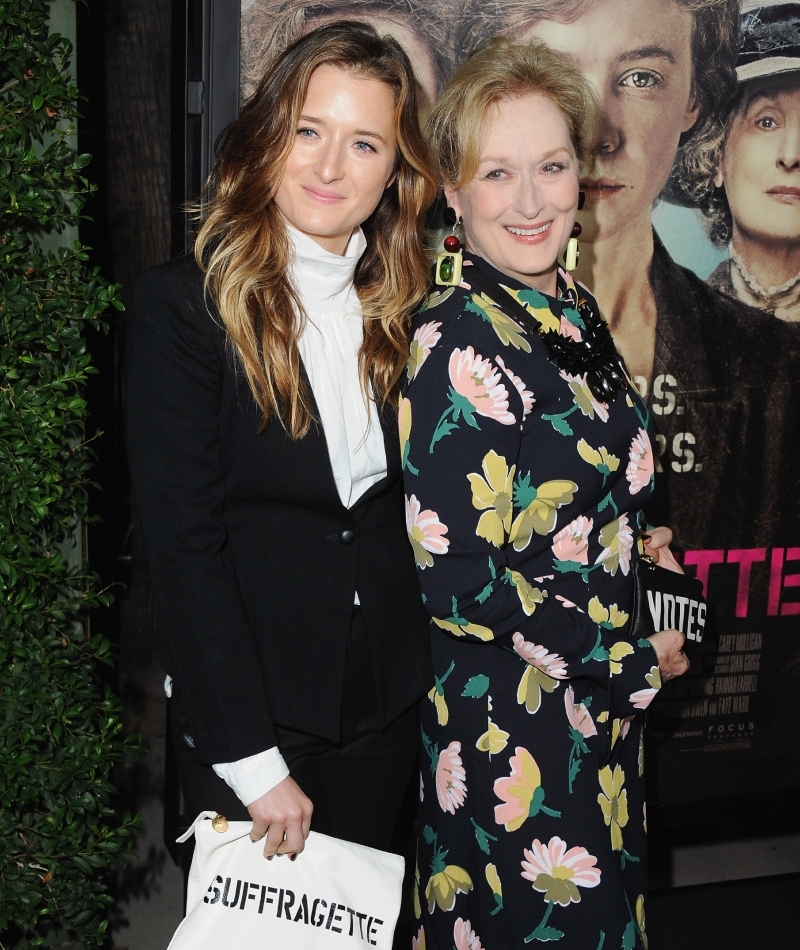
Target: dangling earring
column 581, row 200
column 573, row 252
column 448, row 263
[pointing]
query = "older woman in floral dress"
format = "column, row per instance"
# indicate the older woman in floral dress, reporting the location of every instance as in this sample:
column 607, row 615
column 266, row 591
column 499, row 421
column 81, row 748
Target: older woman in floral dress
column 527, row 459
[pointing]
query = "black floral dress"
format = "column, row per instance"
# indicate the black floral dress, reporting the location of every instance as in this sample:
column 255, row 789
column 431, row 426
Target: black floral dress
column 524, row 491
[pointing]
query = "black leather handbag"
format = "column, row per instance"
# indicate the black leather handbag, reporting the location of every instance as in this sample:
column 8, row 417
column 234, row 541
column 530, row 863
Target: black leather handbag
column 666, row 600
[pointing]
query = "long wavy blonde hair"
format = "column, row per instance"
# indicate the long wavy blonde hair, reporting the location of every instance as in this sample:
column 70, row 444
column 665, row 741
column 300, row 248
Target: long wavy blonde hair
column 243, row 246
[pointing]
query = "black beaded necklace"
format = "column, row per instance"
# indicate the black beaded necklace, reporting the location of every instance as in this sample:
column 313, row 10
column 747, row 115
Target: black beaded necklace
column 593, row 356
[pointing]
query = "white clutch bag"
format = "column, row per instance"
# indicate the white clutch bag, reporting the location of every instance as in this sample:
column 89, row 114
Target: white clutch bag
column 334, row 895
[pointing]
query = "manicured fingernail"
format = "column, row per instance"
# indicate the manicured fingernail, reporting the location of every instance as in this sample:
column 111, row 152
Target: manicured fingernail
column 293, row 857
column 270, row 857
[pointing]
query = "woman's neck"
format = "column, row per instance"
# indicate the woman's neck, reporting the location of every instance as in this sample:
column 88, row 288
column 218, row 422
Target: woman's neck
column 617, row 271
column 772, row 264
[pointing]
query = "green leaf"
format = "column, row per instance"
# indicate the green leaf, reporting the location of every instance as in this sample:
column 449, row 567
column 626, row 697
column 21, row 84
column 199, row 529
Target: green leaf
column 477, row 686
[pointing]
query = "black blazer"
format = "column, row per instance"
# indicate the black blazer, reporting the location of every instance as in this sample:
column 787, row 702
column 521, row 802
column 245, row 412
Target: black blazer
column 254, row 559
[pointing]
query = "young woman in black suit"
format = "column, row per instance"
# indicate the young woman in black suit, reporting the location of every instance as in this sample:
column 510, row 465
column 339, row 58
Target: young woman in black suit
column 262, row 382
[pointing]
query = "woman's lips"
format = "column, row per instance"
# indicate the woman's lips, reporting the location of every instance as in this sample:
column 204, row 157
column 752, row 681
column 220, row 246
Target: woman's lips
column 320, row 194
column 596, row 188
column 528, row 233
column 785, row 194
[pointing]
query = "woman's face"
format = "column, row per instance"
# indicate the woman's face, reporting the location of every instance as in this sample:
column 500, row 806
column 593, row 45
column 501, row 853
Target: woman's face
column 637, row 55
column 342, row 159
column 760, row 166
column 519, row 207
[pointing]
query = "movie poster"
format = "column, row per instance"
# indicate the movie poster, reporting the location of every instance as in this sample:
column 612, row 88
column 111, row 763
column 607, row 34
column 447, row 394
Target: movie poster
column 691, row 244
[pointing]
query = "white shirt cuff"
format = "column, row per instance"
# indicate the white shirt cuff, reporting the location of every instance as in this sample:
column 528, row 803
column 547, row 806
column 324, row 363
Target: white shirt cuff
column 254, row 776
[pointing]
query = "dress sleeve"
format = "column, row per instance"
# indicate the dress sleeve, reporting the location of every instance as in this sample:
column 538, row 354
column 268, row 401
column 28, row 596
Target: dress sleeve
column 174, row 390
column 462, row 429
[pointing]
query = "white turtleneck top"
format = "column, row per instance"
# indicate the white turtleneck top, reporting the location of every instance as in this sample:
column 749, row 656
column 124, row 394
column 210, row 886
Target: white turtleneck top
column 329, row 345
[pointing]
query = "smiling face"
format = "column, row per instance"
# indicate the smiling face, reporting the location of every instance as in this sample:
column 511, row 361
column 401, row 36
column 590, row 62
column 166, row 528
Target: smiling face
column 342, row 159
column 760, row 167
column 519, row 207
column 637, row 54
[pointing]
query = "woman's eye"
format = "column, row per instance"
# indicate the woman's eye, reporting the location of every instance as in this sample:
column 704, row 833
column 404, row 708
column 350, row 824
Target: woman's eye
column 552, row 168
column 766, row 122
column 306, row 133
column 641, row 79
column 364, row 147
column 496, row 174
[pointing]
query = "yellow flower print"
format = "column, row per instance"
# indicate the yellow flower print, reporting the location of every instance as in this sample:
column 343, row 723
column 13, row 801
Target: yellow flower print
column 642, row 698
column 529, row 691
column 617, row 540
column 619, row 729
column 507, row 330
column 529, row 595
column 544, row 315
column 494, row 740
column 640, row 921
column 603, row 716
column 404, row 423
column 460, row 627
column 494, row 492
column 436, row 696
column 445, row 886
column 620, row 649
column 436, row 298
column 600, row 458
column 417, row 905
column 607, row 617
column 539, row 507
column 614, row 803
column 583, row 398
column 442, row 712
column 493, row 880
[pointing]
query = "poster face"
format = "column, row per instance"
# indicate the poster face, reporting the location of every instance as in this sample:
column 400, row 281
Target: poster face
column 691, row 244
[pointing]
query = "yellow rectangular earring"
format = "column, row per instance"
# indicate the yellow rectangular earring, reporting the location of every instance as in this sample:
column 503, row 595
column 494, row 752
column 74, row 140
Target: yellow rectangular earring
column 573, row 252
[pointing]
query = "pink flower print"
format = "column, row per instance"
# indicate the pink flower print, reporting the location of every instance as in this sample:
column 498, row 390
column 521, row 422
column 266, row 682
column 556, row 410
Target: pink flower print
column 642, row 698
column 421, row 788
column 578, row 715
column 565, row 602
column 451, row 785
column 640, row 468
column 477, row 381
column 425, row 532
column 418, row 942
column 558, row 873
column 425, row 338
column 572, row 542
column 465, row 937
column 568, row 329
column 526, row 395
column 535, row 655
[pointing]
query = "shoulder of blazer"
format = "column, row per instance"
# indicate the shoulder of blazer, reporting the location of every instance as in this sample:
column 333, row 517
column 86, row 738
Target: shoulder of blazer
column 178, row 285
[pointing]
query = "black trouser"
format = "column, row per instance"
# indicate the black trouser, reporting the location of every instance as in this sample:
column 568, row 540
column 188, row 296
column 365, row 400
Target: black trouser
column 357, row 786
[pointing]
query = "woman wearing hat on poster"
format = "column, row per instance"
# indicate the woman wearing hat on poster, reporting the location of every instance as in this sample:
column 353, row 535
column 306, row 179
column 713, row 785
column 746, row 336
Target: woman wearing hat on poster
column 747, row 178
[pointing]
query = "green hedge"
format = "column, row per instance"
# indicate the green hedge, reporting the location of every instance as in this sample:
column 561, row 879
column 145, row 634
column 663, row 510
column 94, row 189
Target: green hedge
column 60, row 729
